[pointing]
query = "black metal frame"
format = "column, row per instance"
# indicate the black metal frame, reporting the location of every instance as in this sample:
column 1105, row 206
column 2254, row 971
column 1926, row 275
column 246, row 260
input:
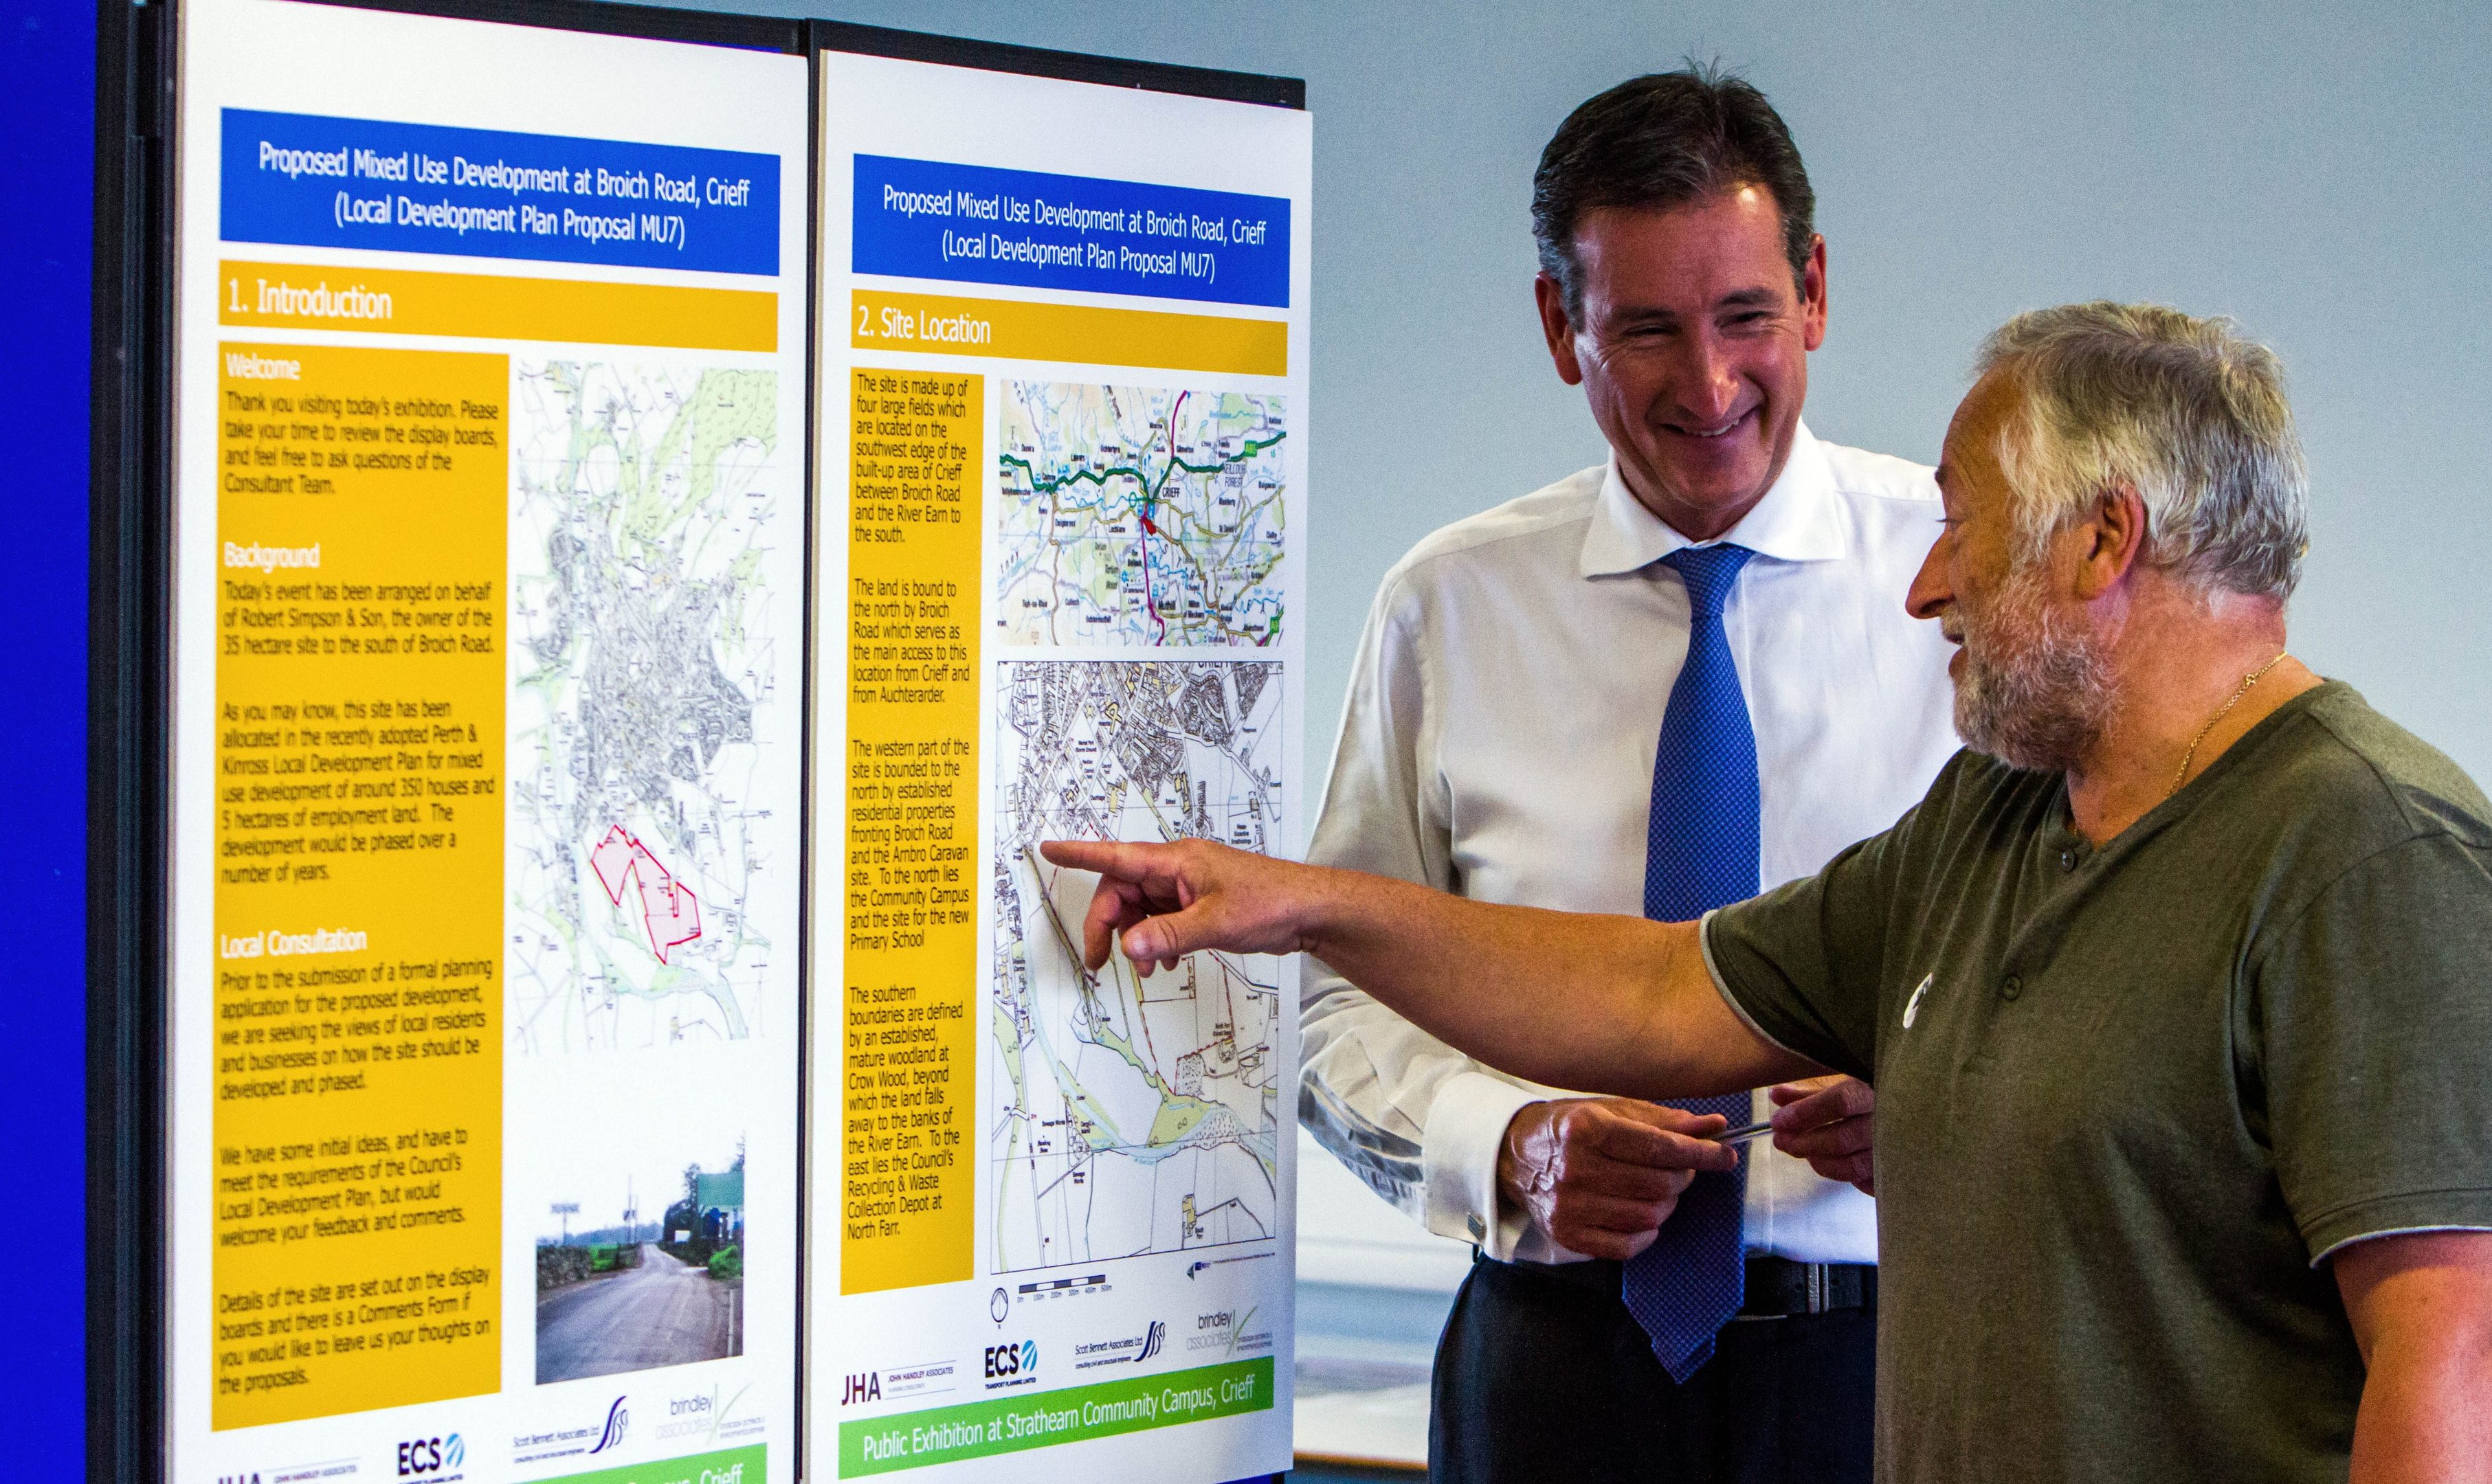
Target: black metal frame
column 1064, row 65
column 130, row 616
column 129, row 666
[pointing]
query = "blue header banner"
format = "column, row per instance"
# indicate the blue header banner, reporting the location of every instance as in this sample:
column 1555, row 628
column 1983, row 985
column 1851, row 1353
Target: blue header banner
column 481, row 192
column 923, row 218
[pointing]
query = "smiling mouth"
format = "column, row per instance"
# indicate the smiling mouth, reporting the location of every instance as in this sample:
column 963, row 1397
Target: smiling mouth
column 1716, row 432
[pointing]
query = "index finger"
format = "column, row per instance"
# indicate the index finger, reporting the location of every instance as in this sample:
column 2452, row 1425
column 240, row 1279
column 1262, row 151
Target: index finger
column 1135, row 881
column 1144, row 865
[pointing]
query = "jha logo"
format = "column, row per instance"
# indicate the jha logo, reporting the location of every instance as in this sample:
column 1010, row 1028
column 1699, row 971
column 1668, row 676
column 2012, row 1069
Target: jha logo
column 420, row 1456
column 868, row 1387
column 238, row 1478
column 1005, row 1361
column 618, row 1421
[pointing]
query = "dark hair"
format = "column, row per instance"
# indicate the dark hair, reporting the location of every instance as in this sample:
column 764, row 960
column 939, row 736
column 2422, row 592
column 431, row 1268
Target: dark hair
column 1663, row 141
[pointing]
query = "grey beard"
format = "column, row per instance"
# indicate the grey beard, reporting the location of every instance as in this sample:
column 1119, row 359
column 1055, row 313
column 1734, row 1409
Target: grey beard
column 2035, row 691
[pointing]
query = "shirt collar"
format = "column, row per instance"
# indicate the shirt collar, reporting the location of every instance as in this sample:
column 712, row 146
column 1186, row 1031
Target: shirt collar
column 1798, row 519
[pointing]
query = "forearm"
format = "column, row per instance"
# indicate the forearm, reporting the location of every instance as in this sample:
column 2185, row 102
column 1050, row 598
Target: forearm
column 1604, row 1003
column 2423, row 1415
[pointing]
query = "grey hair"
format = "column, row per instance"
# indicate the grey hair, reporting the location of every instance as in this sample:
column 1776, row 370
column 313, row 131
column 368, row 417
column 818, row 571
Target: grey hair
column 2189, row 412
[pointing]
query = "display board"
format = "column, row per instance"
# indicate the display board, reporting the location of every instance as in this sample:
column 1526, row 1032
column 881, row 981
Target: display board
column 1062, row 446
column 489, row 614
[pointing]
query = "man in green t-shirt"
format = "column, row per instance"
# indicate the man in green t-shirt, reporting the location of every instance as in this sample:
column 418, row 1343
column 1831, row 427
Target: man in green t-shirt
column 2176, row 988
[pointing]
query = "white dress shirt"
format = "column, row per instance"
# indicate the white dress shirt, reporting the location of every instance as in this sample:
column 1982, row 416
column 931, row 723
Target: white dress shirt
column 1498, row 743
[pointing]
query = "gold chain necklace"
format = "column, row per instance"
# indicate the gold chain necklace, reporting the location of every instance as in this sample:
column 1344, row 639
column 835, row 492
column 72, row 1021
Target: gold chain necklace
column 2191, row 756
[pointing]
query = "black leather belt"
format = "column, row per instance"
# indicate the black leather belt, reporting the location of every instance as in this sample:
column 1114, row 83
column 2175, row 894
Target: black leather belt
column 1778, row 1288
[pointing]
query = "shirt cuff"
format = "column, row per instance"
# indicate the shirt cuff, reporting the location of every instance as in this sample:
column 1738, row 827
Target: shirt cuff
column 1465, row 1129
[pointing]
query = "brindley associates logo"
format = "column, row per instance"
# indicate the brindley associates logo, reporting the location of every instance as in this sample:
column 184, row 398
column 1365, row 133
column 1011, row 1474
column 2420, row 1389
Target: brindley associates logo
column 1225, row 1331
column 708, row 1416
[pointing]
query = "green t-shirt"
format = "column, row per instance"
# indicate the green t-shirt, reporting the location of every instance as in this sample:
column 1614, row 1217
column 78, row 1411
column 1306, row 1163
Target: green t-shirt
column 2129, row 1098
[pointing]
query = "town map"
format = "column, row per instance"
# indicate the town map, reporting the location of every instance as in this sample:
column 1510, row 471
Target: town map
column 1132, row 1115
column 1139, row 515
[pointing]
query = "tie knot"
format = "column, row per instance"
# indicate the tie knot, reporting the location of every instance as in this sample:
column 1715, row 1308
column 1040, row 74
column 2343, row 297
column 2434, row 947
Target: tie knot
column 1708, row 571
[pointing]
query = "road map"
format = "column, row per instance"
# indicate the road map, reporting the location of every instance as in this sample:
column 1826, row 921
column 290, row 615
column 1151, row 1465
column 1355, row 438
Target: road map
column 643, row 500
column 1139, row 515
column 1131, row 1116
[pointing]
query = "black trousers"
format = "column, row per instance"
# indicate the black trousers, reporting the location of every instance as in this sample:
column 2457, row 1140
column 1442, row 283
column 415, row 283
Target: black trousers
column 1543, row 1375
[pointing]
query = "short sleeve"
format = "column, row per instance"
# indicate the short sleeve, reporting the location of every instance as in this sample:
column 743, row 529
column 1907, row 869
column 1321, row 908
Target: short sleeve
column 1801, row 962
column 2371, row 1019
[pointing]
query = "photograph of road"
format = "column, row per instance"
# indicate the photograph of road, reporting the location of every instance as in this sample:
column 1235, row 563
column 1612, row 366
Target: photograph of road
column 640, row 1243
column 658, row 1311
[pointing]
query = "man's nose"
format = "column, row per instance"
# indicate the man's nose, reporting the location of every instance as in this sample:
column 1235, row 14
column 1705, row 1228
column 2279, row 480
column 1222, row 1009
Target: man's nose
column 1707, row 382
column 1930, row 594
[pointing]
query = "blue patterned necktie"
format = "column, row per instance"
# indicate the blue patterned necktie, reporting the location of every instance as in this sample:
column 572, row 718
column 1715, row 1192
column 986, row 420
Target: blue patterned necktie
column 1701, row 851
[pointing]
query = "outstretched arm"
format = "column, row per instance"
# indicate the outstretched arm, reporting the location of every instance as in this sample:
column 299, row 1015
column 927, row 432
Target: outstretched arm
column 1605, row 1004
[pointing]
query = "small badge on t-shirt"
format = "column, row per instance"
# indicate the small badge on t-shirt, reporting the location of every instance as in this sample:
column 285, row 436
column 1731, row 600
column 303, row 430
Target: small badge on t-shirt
column 1912, row 1007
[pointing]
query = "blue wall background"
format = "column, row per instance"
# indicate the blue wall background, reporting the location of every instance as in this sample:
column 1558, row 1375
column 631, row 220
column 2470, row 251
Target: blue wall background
column 46, row 228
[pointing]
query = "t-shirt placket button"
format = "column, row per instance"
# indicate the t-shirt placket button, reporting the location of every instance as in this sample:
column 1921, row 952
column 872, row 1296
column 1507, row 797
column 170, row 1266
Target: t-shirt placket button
column 2011, row 987
column 2067, row 860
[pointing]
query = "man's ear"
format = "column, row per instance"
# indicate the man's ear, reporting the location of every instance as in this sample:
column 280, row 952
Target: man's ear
column 2112, row 541
column 1813, row 295
column 1557, row 328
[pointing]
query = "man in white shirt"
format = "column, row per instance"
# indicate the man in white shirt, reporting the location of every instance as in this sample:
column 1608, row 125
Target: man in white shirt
column 1684, row 675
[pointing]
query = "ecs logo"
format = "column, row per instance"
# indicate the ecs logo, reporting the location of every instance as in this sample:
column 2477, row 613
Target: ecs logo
column 1012, row 1365
column 419, row 1457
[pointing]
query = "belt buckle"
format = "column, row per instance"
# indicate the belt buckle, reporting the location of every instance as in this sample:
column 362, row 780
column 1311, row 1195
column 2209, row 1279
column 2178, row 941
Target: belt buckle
column 1820, row 1281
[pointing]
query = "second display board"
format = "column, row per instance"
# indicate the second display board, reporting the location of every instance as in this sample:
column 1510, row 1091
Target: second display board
column 1062, row 445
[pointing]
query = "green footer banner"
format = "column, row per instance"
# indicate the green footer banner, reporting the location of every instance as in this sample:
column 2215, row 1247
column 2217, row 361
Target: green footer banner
column 728, row 1465
column 944, row 1435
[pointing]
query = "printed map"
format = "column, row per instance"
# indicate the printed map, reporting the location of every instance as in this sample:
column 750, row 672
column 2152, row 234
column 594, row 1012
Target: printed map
column 1131, row 1116
column 1139, row 515
column 644, row 497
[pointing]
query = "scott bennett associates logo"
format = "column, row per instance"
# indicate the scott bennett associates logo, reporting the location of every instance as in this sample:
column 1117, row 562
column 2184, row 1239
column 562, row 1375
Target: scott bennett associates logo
column 568, row 1442
column 1012, row 1365
column 617, row 1422
column 1134, row 1348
